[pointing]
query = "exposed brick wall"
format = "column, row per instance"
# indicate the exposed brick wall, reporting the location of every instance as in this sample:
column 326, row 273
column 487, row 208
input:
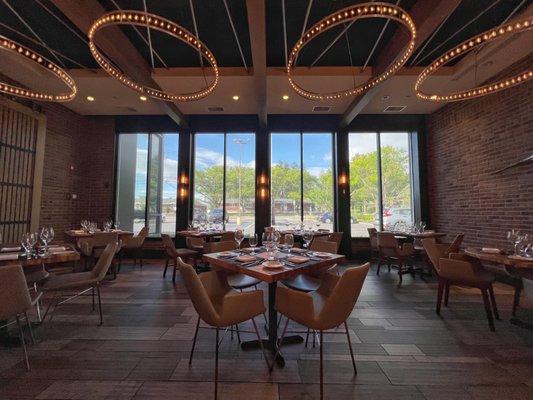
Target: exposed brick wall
column 79, row 156
column 466, row 142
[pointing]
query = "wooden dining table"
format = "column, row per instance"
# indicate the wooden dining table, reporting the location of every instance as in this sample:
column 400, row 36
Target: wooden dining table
column 419, row 235
column 206, row 234
column 75, row 234
column 272, row 277
column 54, row 257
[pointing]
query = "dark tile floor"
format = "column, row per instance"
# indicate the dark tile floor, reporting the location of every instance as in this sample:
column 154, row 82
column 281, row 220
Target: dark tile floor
column 404, row 350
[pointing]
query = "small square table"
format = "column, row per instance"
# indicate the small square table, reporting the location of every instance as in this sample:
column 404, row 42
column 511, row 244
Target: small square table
column 272, row 277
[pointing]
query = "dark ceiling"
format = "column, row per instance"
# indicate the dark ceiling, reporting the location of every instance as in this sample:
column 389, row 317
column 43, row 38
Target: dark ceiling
column 215, row 30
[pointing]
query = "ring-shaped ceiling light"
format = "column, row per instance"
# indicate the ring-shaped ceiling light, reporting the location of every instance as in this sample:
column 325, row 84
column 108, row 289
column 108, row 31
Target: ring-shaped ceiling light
column 349, row 14
column 465, row 47
column 12, row 46
column 142, row 19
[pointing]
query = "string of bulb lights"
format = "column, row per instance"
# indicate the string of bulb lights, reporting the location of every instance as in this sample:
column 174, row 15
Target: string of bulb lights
column 383, row 10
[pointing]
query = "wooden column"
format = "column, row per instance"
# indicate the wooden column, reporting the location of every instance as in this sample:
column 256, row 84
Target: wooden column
column 262, row 171
column 342, row 190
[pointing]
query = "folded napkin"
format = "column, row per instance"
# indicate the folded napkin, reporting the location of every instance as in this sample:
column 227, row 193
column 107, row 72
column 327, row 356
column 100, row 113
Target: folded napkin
column 9, row 249
column 298, row 250
column 298, row 259
column 521, row 258
column 226, row 254
column 9, row 256
column 78, row 231
column 491, row 250
column 247, row 250
column 245, row 258
column 322, row 255
column 57, row 249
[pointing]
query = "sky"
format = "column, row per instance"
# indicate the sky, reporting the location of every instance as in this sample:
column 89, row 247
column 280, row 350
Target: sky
column 361, row 143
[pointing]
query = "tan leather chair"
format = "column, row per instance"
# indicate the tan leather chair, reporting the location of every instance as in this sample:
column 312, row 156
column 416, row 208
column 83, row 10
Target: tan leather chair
column 325, row 308
column 219, row 306
column 195, row 243
column 15, row 301
column 93, row 247
column 83, row 281
column 337, row 238
column 391, row 252
column 235, row 280
column 173, row 254
column 227, row 236
column 461, row 270
column 134, row 244
column 374, row 248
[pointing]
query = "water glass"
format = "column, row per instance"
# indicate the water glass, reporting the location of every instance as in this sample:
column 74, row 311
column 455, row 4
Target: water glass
column 308, row 237
column 239, row 237
column 289, row 241
column 252, row 241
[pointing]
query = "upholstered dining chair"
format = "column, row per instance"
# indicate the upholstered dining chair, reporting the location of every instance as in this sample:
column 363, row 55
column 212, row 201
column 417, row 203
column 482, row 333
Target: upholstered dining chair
column 325, row 308
column 172, row 255
column 227, row 236
column 195, row 243
column 81, row 282
column 392, row 253
column 134, row 245
column 93, row 247
column 374, row 248
column 219, row 306
column 461, row 270
column 335, row 237
column 15, row 301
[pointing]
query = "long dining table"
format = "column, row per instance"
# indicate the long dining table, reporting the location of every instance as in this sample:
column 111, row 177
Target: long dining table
column 272, row 277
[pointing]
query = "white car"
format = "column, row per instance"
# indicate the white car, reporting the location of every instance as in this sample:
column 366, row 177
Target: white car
column 393, row 215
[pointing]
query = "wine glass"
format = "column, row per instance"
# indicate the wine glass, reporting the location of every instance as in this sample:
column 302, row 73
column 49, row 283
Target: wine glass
column 252, row 241
column 289, row 241
column 51, row 234
column 266, row 241
column 116, row 224
column 512, row 236
column 43, row 235
column 276, row 237
column 239, row 237
column 308, row 237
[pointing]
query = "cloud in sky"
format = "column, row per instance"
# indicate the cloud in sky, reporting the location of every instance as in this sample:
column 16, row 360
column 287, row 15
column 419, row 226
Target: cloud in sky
column 362, row 143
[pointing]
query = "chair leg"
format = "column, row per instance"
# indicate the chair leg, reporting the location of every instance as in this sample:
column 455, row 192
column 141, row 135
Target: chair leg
column 261, row 343
column 216, row 366
column 238, row 334
column 493, row 302
column 307, row 337
column 25, row 351
column 516, row 301
column 400, row 270
column 141, row 258
column 321, row 367
column 350, row 346
column 446, row 293
column 166, row 267
column 486, row 302
column 379, row 266
column 38, row 303
column 93, row 298
column 100, row 305
column 194, row 340
column 174, row 271
column 280, row 340
column 29, row 328
column 119, row 261
column 442, row 283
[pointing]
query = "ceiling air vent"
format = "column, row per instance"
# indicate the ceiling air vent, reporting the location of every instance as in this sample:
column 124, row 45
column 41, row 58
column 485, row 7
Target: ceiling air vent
column 215, row 109
column 321, row 108
column 394, row 109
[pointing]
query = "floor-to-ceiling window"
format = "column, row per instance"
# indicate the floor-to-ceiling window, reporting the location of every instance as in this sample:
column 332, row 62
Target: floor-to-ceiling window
column 302, row 180
column 380, row 181
column 224, row 180
column 147, row 182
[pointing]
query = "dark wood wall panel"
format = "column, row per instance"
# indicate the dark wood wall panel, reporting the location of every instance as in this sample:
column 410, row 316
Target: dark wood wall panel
column 18, row 147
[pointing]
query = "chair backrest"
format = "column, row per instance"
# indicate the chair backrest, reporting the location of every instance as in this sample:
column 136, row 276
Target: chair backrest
column 101, row 239
column 215, row 247
column 144, row 232
column 387, row 244
column 373, row 235
column 336, row 237
column 227, row 236
column 324, row 246
column 14, row 296
column 269, row 229
column 455, row 245
column 168, row 245
column 343, row 297
column 104, row 261
column 197, row 291
column 434, row 252
column 191, row 241
column 458, row 268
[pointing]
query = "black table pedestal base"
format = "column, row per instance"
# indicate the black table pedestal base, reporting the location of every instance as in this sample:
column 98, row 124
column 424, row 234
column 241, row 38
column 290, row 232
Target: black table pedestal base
column 273, row 349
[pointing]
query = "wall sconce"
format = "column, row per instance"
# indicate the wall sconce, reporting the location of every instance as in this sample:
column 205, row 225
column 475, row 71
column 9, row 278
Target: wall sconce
column 183, row 183
column 343, row 182
column 262, row 187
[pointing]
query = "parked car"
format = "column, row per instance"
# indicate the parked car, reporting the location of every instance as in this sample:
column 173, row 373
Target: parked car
column 215, row 216
column 327, row 218
column 393, row 215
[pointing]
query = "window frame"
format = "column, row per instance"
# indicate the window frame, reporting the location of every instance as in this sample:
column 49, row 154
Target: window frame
column 301, row 134
column 410, row 143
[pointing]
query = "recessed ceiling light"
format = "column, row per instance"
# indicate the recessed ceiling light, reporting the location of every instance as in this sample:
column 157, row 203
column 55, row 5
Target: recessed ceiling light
column 285, row 97
column 143, row 98
column 235, row 97
column 90, row 98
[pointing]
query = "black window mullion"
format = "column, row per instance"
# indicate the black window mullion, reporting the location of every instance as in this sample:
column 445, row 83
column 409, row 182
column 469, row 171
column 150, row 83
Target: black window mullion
column 224, row 184
column 148, row 170
column 301, row 177
column 380, row 181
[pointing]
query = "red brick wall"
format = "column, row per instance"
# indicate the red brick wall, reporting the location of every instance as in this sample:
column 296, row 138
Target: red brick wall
column 79, row 159
column 466, row 142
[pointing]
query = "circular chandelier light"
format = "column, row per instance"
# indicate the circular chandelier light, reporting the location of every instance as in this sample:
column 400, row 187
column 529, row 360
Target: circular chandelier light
column 14, row 47
column 350, row 14
column 139, row 18
column 465, row 47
